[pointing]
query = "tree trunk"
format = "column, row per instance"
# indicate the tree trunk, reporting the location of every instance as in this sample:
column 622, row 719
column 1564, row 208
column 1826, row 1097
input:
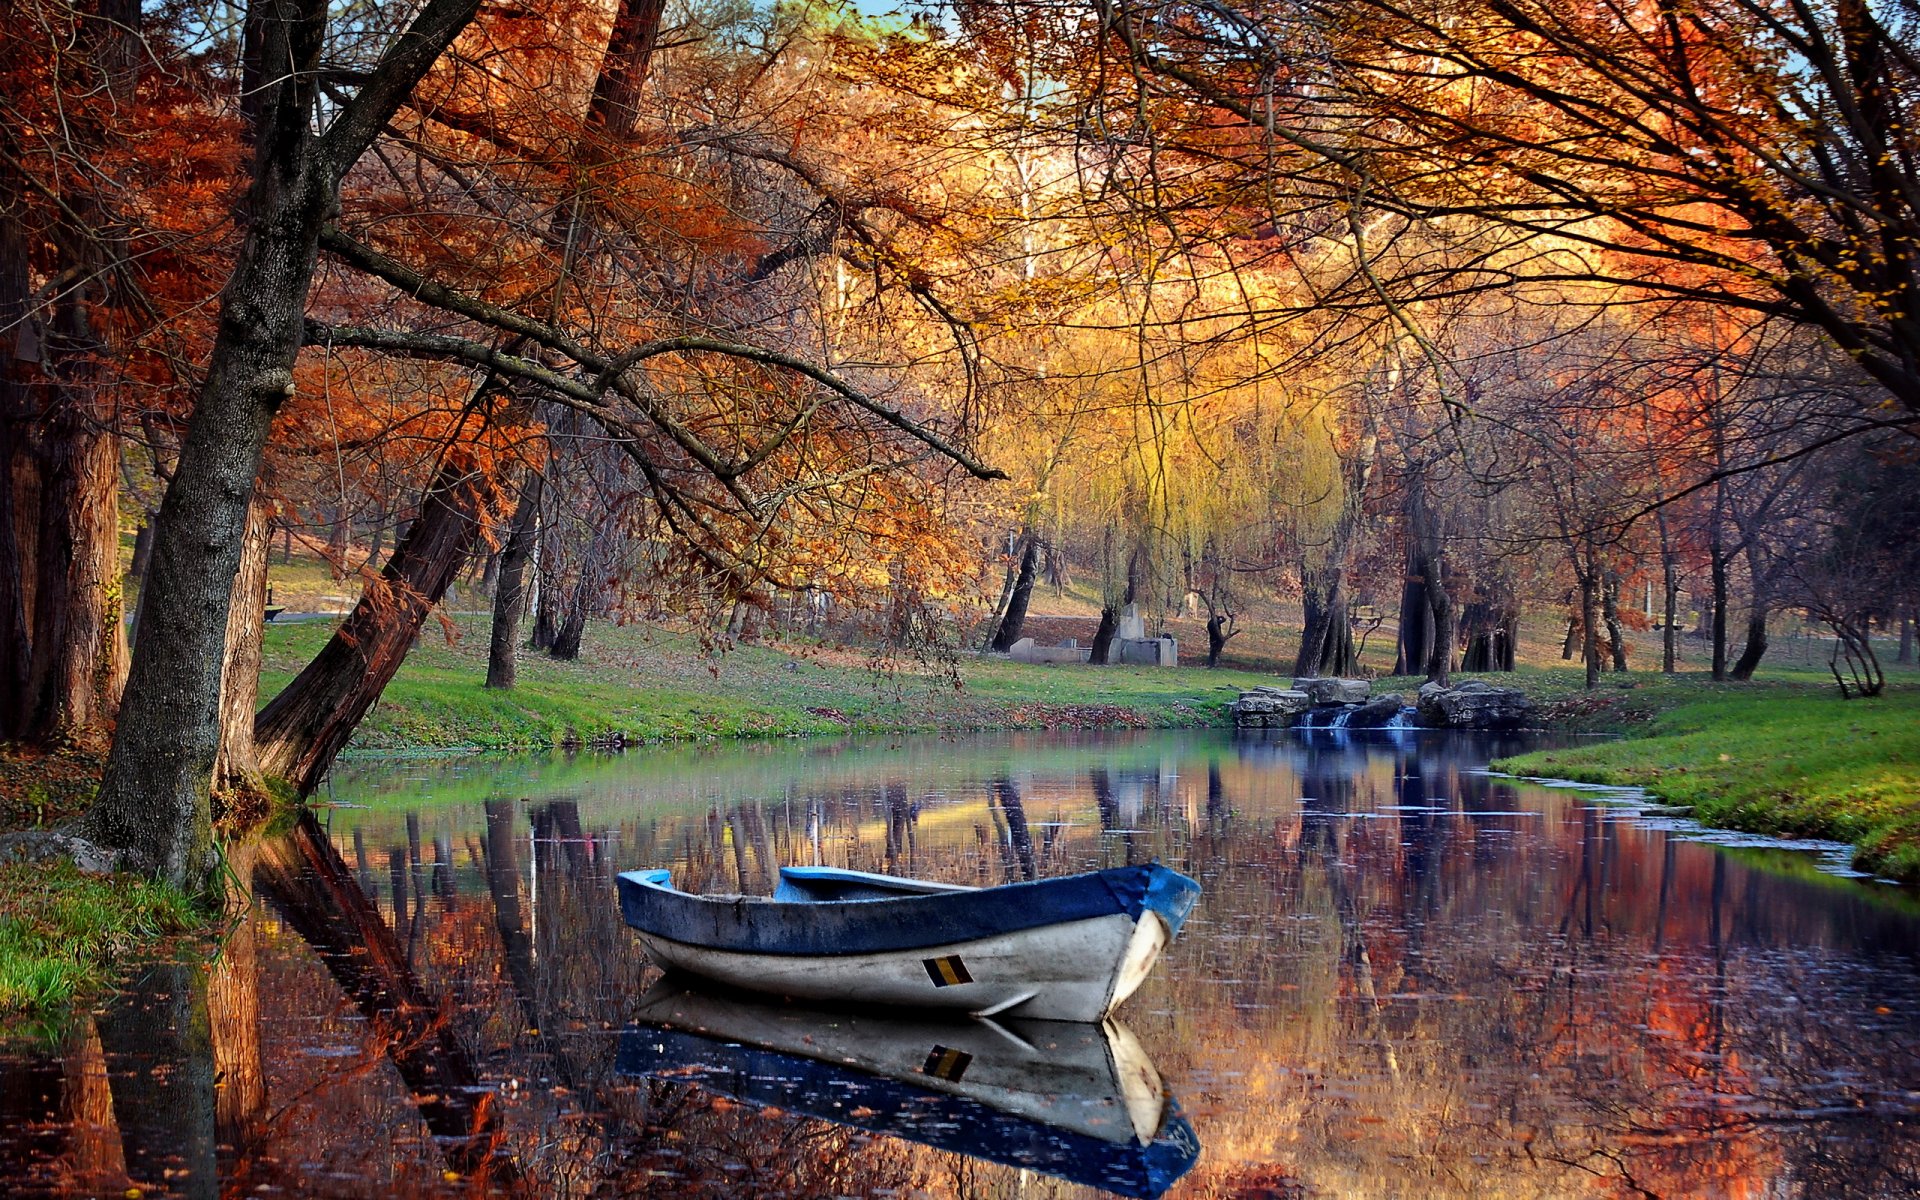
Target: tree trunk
column 154, row 792
column 1414, row 617
column 236, row 770
column 1326, row 636
column 1670, row 587
column 1440, row 653
column 79, row 643
column 1589, row 618
column 18, row 359
column 546, row 606
column 1756, row 647
column 1717, row 559
column 304, row 727
column 1015, row 620
column 1905, row 657
column 1216, row 638
column 587, row 589
column 510, row 595
column 1610, row 613
column 1103, row 634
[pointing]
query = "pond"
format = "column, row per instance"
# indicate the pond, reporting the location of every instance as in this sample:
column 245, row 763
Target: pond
column 1405, row 977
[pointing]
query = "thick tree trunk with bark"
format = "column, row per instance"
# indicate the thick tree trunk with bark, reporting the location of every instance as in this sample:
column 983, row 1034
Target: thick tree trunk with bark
column 1326, row 636
column 510, row 593
column 18, row 359
column 79, row 644
column 236, row 770
column 300, row 731
column 1414, row 617
column 1489, row 629
column 154, row 793
column 1015, row 619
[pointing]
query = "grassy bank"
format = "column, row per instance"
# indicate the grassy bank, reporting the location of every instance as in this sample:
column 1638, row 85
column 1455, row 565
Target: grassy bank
column 60, row 931
column 638, row 683
column 1780, row 760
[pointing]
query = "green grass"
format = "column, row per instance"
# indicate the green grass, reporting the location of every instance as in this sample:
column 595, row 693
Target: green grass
column 1784, row 760
column 644, row 684
column 60, row 929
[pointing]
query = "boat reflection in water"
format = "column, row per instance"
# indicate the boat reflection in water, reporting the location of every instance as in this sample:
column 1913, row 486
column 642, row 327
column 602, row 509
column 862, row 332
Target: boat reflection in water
column 1077, row 1101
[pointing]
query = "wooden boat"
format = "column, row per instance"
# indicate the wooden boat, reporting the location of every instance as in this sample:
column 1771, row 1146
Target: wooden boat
column 1081, row 1102
column 1065, row 949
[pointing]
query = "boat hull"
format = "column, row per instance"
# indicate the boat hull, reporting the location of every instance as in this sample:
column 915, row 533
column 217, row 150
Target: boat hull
column 1067, row 948
column 1074, row 971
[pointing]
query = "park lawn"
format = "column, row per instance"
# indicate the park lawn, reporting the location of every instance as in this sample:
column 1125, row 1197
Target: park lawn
column 1785, row 759
column 639, row 683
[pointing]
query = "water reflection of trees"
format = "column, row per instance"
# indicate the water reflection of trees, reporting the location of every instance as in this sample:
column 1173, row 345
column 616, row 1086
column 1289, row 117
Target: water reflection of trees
column 1391, row 984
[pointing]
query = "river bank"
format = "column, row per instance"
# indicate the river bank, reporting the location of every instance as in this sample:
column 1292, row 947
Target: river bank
column 1777, row 756
column 1774, row 762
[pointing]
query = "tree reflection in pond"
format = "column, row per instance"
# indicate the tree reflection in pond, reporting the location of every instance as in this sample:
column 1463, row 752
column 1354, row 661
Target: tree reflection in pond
column 1405, row 977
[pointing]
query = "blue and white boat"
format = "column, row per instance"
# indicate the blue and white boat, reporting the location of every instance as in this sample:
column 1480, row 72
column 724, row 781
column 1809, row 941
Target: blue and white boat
column 1065, row 949
column 1078, row 1102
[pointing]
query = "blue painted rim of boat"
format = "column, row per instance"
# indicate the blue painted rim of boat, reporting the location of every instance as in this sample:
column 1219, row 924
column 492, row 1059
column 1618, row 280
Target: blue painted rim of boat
column 751, row 925
column 849, row 1096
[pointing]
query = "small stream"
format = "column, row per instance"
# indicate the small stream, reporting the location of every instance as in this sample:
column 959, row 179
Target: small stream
column 1406, row 977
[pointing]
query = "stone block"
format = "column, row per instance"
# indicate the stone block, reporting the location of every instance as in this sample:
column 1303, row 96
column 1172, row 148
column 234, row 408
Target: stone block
column 1335, row 691
column 1268, row 708
column 1473, row 705
column 1146, row 652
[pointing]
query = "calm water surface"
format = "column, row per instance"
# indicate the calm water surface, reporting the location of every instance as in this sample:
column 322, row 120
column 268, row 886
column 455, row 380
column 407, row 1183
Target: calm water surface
column 1405, row 978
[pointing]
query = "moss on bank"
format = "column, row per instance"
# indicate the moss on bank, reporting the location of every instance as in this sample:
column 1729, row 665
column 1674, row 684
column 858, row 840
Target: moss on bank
column 1794, row 765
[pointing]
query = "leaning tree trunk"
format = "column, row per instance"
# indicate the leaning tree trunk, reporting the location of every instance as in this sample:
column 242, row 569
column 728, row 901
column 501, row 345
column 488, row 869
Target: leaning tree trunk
column 510, row 592
column 154, row 792
column 587, row 589
column 1015, row 620
column 304, row 727
column 1756, row 647
column 236, row 769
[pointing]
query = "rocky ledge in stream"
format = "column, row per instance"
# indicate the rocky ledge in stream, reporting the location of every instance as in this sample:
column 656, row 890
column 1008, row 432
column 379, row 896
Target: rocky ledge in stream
column 1350, row 704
